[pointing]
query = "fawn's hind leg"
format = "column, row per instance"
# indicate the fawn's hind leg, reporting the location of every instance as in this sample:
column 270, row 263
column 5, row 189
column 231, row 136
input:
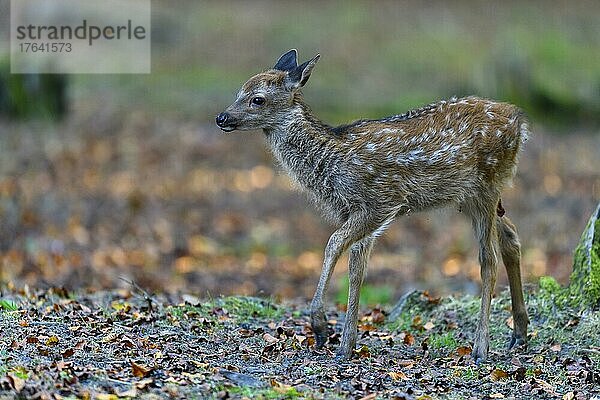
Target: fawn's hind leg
column 510, row 248
column 483, row 216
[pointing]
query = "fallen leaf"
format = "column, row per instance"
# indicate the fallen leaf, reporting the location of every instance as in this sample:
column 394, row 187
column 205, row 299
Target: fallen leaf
column 270, row 338
column 106, row 396
column 377, row 316
column 280, row 387
column 510, row 322
column 367, row 327
column 398, row 375
column 143, row 383
column 463, row 351
column 15, row 382
column 67, row 353
column 556, row 347
column 140, row 371
column 428, row 326
column 431, row 299
column 408, row 339
column 498, row 374
column 417, row 322
column 363, row 352
column 52, row 340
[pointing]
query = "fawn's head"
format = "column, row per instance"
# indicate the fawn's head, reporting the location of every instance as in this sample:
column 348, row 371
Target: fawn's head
column 266, row 99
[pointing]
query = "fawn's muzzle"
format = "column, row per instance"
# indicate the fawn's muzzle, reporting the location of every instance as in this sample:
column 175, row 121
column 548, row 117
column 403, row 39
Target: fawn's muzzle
column 223, row 120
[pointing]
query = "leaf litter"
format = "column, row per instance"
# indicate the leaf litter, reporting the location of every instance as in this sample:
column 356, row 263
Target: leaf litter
column 113, row 344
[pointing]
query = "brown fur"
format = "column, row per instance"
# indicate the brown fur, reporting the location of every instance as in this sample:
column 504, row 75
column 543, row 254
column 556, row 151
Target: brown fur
column 459, row 152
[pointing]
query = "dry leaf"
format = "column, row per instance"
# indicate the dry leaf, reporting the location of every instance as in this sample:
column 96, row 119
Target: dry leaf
column 377, row 316
column 52, row 340
column 498, row 374
column 366, row 327
column 280, row 387
column 270, row 338
column 142, row 383
column 510, row 322
column 417, row 322
column 463, row 351
column 67, row 353
column 106, row 396
column 398, row 375
column 140, row 371
column 15, row 382
column 428, row 326
column 363, row 352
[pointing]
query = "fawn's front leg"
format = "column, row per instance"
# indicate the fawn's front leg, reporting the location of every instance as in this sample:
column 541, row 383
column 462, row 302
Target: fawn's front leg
column 354, row 229
column 357, row 266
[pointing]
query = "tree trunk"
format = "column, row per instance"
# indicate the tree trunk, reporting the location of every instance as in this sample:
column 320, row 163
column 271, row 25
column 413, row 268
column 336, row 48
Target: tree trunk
column 585, row 279
column 24, row 96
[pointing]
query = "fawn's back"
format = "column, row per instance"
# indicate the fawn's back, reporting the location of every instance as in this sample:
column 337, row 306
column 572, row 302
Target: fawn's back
column 444, row 153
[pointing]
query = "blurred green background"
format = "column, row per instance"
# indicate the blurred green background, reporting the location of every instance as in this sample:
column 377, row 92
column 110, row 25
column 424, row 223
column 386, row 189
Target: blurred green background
column 135, row 180
column 379, row 58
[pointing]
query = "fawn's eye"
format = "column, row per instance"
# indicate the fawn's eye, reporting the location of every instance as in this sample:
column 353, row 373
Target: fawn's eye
column 258, row 101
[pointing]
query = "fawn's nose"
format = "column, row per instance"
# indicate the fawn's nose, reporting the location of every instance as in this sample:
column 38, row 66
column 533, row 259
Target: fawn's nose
column 222, row 118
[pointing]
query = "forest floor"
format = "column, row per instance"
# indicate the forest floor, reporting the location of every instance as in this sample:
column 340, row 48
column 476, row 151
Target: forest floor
column 178, row 206
column 127, row 343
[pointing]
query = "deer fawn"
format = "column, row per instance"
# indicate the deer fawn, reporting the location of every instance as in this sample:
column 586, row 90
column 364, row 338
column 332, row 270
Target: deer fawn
column 363, row 175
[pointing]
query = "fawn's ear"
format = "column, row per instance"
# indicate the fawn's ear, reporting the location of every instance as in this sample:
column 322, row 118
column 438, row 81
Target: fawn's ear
column 299, row 76
column 288, row 61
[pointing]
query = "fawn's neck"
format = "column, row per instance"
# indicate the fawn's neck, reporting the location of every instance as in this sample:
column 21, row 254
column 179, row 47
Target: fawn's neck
column 299, row 135
column 313, row 157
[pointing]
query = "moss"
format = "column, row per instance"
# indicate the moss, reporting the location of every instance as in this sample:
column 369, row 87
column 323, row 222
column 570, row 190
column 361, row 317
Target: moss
column 584, row 287
column 549, row 285
column 444, row 341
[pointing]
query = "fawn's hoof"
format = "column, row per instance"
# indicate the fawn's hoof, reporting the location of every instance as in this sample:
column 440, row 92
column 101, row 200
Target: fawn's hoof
column 480, row 354
column 320, row 338
column 343, row 356
column 318, row 324
column 516, row 341
column 479, row 358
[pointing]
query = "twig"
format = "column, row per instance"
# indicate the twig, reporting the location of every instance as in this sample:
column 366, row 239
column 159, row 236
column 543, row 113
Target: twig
column 399, row 307
column 119, row 381
column 593, row 351
column 137, row 287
